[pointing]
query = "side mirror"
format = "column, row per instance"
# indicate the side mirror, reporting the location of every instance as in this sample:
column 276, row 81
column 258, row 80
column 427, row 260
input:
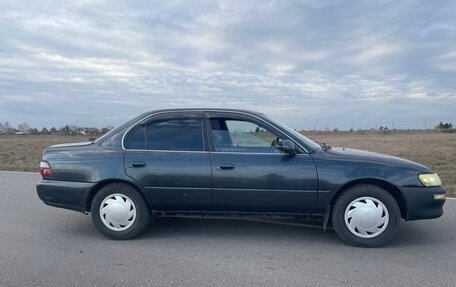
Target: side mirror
column 289, row 147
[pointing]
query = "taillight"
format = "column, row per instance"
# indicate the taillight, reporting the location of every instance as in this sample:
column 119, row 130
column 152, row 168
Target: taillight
column 45, row 169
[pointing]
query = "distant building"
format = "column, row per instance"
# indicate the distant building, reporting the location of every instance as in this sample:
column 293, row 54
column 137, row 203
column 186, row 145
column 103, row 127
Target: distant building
column 69, row 130
column 88, row 131
column 74, row 130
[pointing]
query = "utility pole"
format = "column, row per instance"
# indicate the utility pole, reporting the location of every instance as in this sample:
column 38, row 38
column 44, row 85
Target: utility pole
column 392, row 125
column 425, row 124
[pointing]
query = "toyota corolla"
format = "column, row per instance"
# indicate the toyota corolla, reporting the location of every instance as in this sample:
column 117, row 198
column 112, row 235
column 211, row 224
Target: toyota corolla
column 233, row 162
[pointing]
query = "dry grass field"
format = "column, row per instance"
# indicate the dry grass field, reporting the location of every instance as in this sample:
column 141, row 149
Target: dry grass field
column 433, row 149
column 23, row 152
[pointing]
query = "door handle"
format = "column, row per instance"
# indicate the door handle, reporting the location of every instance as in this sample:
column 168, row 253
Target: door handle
column 225, row 166
column 138, row 164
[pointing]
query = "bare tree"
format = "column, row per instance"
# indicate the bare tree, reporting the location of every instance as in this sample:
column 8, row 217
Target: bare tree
column 24, row 127
column 8, row 129
column 33, row 131
column 2, row 128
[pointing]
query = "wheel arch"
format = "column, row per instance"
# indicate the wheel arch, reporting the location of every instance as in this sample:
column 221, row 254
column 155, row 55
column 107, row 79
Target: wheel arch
column 106, row 182
column 389, row 187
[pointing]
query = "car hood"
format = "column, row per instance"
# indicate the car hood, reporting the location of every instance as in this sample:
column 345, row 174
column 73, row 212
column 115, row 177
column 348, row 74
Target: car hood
column 373, row 157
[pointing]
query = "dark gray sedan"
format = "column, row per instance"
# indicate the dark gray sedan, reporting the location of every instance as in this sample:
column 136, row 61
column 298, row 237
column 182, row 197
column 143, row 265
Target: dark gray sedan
column 233, row 162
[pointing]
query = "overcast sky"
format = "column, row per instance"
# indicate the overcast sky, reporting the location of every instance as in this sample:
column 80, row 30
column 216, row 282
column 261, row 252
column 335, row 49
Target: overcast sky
column 307, row 63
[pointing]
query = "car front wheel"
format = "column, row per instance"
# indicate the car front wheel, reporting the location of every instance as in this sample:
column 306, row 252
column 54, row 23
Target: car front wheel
column 119, row 211
column 366, row 215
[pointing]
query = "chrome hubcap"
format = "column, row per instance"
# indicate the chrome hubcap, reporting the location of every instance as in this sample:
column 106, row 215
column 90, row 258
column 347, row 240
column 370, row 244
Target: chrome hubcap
column 366, row 217
column 117, row 212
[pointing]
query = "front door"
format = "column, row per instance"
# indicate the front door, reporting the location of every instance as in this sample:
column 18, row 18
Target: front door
column 250, row 171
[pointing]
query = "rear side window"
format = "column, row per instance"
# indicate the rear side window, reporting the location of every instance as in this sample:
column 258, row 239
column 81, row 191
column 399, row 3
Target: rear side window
column 170, row 134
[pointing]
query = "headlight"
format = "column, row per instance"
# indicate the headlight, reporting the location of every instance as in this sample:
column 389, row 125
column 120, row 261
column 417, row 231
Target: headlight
column 430, row 179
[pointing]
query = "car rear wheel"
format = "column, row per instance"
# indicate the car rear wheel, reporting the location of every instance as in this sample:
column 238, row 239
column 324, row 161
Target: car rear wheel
column 366, row 215
column 119, row 211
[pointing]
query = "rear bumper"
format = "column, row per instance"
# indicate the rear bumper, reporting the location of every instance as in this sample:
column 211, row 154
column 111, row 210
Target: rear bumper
column 64, row 194
column 421, row 203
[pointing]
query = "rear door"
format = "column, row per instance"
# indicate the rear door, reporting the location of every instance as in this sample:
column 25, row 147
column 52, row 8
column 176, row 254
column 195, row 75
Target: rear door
column 250, row 171
column 168, row 155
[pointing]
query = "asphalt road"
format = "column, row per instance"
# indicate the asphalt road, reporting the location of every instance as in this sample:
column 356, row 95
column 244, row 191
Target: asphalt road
column 46, row 246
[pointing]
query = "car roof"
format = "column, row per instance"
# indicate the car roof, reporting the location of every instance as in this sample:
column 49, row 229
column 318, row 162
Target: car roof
column 203, row 110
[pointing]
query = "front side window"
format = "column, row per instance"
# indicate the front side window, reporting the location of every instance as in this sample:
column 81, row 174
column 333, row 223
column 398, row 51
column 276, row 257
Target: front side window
column 231, row 135
column 170, row 134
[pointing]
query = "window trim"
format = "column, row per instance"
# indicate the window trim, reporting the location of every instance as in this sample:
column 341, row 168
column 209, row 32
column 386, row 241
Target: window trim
column 206, row 115
column 167, row 150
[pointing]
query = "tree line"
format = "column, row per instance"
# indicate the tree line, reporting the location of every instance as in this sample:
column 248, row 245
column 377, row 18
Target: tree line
column 24, row 128
column 444, row 126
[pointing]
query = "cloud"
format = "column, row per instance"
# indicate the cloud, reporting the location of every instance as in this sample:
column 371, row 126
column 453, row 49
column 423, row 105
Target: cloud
column 308, row 63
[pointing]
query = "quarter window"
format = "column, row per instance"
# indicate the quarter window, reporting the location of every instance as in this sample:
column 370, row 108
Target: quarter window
column 138, row 138
column 171, row 134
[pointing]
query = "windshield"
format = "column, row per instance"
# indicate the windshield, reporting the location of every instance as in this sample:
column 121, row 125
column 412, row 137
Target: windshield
column 308, row 142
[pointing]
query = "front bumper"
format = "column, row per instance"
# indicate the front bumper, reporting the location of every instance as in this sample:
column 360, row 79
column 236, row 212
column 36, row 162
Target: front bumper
column 421, row 203
column 65, row 194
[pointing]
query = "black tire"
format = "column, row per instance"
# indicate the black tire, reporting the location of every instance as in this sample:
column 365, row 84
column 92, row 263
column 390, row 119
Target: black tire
column 139, row 208
column 357, row 192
